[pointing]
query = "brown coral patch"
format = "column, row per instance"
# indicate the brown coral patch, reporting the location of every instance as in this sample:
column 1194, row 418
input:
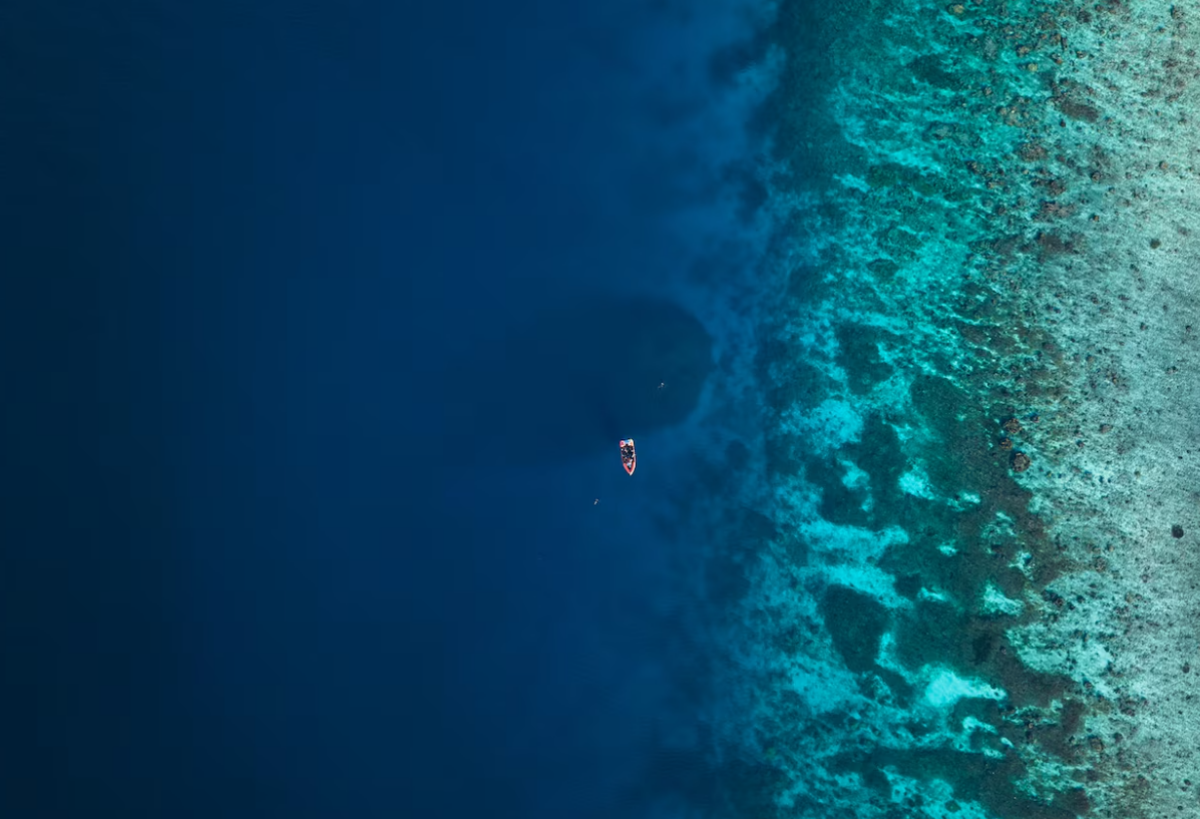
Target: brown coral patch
column 1076, row 110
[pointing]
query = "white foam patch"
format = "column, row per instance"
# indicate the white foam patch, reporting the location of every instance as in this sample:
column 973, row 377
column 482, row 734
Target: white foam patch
column 824, row 689
column 855, row 477
column 964, row 740
column 1022, row 562
column 915, row 482
column 854, row 182
column 995, row 602
column 935, row 595
column 946, row 688
column 829, row 425
column 868, row 580
column 861, row 543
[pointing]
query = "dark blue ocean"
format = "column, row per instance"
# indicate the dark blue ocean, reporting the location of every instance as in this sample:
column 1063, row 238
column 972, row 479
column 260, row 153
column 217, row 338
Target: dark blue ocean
column 323, row 323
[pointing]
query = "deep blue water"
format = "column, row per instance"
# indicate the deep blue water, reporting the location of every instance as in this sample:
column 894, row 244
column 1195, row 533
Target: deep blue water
column 303, row 456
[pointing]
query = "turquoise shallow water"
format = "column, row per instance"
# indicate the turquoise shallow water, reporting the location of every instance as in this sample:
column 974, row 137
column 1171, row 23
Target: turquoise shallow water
column 973, row 594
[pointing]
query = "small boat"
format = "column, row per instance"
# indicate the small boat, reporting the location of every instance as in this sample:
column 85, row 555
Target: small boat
column 628, row 455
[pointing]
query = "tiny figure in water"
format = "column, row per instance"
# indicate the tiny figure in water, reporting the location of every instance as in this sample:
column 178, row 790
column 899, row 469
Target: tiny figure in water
column 662, row 385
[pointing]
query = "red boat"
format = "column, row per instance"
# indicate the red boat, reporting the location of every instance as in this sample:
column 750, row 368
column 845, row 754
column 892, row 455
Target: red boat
column 628, row 455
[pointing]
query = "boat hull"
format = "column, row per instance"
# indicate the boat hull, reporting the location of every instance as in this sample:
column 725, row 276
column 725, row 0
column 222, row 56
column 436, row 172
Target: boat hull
column 628, row 455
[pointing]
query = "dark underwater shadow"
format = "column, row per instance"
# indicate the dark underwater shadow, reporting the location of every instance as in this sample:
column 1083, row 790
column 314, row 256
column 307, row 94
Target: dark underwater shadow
column 572, row 382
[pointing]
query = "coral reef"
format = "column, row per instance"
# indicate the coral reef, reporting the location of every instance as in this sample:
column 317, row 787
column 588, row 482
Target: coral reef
column 980, row 365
